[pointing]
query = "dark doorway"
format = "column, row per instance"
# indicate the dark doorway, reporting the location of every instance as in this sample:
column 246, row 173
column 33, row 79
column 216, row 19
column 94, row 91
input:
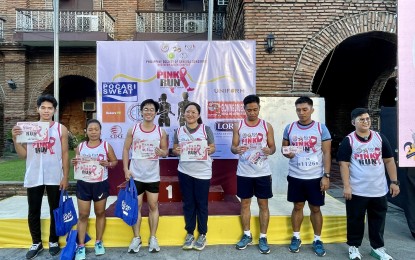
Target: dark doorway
column 347, row 75
column 74, row 91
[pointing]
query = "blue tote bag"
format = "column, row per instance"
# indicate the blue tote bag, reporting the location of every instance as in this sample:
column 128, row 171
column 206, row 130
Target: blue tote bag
column 127, row 204
column 65, row 214
column 69, row 251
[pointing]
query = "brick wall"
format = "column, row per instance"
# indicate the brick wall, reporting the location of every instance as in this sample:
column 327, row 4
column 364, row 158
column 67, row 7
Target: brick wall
column 294, row 23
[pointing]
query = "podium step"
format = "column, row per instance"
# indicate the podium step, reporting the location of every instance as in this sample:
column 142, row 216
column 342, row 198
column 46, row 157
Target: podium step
column 170, row 190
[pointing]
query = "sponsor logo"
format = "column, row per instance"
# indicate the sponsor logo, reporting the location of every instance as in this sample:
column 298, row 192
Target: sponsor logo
column 100, row 196
column 125, row 208
column 229, row 91
column 67, row 217
column 226, row 110
column 116, row 132
column 224, row 126
column 134, row 113
column 113, row 112
column 174, row 79
column 119, row 91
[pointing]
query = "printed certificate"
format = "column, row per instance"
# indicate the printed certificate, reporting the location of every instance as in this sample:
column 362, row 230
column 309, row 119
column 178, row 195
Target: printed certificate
column 194, row 151
column 292, row 149
column 88, row 169
column 145, row 149
column 33, row 132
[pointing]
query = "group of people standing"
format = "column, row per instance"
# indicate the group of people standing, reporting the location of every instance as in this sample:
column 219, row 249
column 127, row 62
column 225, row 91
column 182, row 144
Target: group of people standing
column 306, row 143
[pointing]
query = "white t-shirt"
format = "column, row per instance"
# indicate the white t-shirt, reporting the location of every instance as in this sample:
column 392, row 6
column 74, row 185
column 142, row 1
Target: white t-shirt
column 309, row 163
column 253, row 162
column 44, row 160
column 142, row 169
column 196, row 169
column 367, row 170
column 99, row 153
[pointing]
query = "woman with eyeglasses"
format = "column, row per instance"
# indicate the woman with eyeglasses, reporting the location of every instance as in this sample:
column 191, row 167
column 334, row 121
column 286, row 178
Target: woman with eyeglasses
column 194, row 143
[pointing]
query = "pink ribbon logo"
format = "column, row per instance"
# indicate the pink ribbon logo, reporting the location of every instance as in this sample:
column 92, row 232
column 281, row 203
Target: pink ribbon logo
column 182, row 75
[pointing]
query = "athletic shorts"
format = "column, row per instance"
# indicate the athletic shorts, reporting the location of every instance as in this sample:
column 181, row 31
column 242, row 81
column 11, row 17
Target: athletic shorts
column 247, row 187
column 300, row 190
column 95, row 191
column 152, row 187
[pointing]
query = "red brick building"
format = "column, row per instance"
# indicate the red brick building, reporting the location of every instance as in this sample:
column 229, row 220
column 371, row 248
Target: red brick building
column 342, row 50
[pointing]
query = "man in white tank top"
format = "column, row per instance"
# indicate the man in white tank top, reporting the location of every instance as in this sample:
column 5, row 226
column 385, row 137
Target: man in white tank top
column 253, row 141
column 363, row 156
column 308, row 171
column 47, row 168
column 145, row 172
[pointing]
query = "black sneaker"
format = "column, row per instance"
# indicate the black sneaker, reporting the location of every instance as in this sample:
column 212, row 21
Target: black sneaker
column 34, row 250
column 54, row 248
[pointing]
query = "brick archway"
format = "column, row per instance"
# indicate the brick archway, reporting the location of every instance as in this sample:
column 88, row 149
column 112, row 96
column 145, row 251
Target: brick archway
column 321, row 44
column 85, row 71
column 375, row 94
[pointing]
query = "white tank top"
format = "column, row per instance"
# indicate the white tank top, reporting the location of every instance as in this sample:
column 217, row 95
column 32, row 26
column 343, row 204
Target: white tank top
column 44, row 160
column 146, row 170
column 200, row 169
column 367, row 170
column 253, row 162
column 309, row 163
column 99, row 153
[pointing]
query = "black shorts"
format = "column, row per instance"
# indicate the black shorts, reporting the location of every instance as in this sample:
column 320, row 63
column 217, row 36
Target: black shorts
column 300, row 190
column 247, row 187
column 95, row 191
column 152, row 187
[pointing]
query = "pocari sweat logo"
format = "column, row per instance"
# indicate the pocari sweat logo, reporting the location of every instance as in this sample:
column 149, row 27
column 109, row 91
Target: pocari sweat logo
column 119, row 91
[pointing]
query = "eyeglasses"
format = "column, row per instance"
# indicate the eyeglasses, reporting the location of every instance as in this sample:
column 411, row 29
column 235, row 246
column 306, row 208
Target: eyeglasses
column 362, row 120
column 148, row 109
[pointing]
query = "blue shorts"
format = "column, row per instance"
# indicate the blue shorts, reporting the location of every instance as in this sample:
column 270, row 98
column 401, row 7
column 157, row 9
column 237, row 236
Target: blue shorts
column 300, row 190
column 152, row 187
column 247, row 187
column 95, row 191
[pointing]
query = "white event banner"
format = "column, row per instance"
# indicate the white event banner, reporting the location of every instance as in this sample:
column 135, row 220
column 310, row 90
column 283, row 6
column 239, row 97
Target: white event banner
column 33, row 132
column 406, row 90
column 215, row 74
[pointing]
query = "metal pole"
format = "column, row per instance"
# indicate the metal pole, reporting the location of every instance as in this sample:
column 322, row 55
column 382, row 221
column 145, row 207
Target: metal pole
column 56, row 55
column 210, row 20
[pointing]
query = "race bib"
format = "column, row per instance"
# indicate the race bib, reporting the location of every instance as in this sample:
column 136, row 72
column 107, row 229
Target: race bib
column 254, row 157
column 306, row 163
column 88, row 170
column 194, row 151
column 33, row 132
column 145, row 149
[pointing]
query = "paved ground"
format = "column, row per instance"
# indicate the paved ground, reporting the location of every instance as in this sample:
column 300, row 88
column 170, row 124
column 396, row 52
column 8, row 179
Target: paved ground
column 398, row 242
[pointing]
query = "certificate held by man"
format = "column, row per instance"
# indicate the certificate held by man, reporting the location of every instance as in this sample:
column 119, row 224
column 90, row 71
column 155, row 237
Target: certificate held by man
column 145, row 149
column 194, row 151
column 33, row 132
column 88, row 169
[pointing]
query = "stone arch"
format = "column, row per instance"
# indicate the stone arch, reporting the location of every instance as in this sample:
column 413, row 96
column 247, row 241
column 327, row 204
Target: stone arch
column 375, row 94
column 77, row 70
column 326, row 40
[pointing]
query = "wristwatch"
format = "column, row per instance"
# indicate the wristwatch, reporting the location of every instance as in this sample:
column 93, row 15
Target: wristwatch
column 396, row 182
column 327, row 175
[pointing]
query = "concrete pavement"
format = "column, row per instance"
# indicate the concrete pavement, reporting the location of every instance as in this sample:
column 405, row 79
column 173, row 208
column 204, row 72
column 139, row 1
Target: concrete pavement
column 398, row 242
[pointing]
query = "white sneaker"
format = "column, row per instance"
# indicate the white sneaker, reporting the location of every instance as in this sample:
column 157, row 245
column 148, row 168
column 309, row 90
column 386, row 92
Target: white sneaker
column 354, row 253
column 380, row 254
column 153, row 245
column 135, row 245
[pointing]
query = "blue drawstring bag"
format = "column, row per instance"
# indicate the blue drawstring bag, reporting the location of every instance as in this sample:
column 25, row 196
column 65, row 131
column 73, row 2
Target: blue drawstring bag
column 127, row 203
column 68, row 252
column 65, row 214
